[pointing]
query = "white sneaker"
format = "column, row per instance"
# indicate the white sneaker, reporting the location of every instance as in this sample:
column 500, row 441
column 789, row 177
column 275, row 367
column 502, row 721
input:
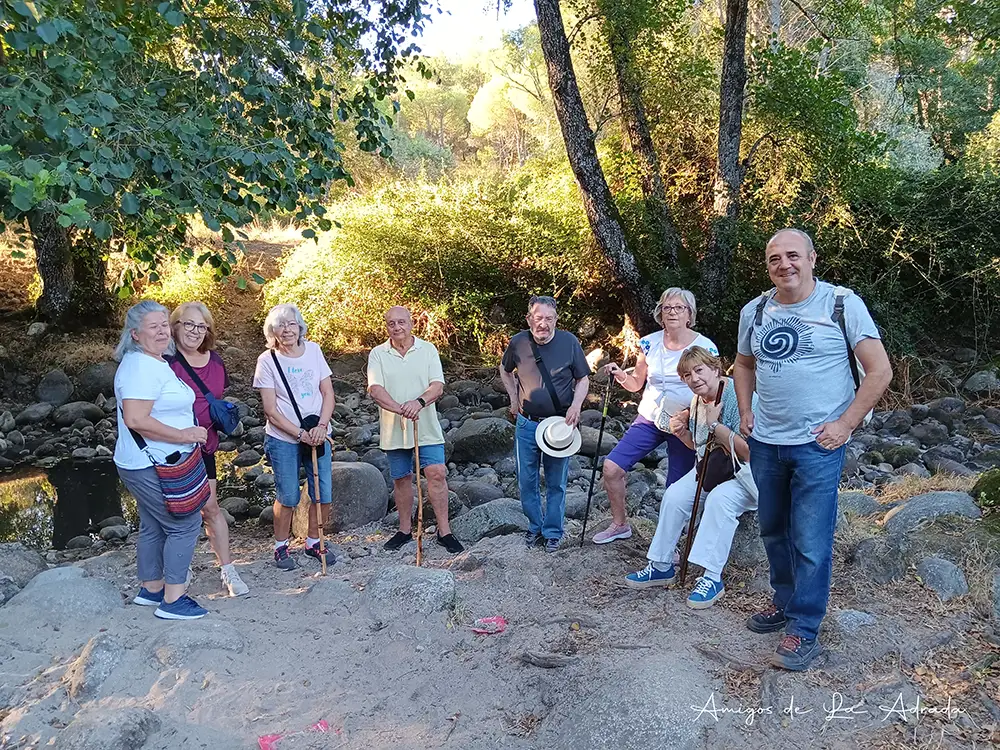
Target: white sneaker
column 232, row 581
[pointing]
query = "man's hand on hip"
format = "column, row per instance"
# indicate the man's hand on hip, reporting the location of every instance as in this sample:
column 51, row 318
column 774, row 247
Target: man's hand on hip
column 832, row 435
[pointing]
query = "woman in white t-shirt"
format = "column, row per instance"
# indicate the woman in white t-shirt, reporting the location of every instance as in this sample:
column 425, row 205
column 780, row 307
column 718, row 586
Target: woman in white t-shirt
column 157, row 406
column 665, row 399
column 292, row 374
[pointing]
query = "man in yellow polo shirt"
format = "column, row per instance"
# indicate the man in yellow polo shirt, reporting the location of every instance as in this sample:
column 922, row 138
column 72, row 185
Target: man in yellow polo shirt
column 405, row 379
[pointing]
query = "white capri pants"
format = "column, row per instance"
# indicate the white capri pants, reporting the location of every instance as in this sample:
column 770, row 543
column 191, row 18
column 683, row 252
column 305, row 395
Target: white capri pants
column 722, row 509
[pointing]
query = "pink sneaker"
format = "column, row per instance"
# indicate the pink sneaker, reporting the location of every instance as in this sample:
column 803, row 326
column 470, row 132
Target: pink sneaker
column 614, row 531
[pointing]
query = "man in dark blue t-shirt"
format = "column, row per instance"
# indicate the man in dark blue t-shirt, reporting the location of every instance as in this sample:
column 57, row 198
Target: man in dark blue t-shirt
column 531, row 402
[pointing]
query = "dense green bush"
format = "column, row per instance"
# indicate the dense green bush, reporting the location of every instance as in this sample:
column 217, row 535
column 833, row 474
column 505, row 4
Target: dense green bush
column 465, row 256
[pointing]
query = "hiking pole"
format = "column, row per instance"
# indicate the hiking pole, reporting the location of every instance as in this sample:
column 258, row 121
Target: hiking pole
column 697, row 493
column 597, row 455
column 420, row 496
column 319, row 512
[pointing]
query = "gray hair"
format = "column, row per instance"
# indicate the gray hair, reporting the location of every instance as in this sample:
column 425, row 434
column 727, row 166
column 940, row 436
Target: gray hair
column 798, row 233
column 277, row 314
column 686, row 297
column 542, row 300
column 133, row 321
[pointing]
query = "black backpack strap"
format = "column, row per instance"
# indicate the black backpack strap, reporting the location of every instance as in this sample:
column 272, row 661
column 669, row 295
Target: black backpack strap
column 194, row 376
column 281, row 374
column 758, row 316
column 839, row 317
column 546, row 377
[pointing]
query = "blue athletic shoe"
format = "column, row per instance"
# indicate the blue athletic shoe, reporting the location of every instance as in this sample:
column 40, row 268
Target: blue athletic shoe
column 148, row 599
column 184, row 608
column 650, row 576
column 705, row 593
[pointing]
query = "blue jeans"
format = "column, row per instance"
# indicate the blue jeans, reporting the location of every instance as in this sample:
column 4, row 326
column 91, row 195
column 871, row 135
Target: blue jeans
column 285, row 461
column 529, row 456
column 797, row 512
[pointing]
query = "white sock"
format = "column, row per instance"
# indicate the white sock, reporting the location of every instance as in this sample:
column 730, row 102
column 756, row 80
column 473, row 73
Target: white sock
column 310, row 542
column 660, row 566
column 282, row 543
column 227, row 567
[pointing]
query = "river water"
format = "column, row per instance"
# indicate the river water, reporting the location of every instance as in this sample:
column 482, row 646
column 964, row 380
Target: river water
column 45, row 508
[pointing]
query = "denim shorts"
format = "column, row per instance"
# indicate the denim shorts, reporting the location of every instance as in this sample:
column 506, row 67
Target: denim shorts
column 401, row 459
column 285, row 461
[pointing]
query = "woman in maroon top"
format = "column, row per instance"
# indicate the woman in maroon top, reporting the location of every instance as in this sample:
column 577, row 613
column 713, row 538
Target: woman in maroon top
column 194, row 334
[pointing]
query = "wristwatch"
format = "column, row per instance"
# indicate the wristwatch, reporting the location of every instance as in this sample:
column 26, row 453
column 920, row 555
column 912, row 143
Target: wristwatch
column 421, row 401
column 711, row 427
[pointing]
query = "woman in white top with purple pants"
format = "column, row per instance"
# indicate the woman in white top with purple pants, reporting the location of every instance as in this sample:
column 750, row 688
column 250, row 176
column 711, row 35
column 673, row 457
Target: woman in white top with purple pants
column 666, row 396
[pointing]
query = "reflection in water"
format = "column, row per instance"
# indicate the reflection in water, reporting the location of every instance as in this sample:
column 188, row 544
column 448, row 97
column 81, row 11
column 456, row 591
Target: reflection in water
column 47, row 508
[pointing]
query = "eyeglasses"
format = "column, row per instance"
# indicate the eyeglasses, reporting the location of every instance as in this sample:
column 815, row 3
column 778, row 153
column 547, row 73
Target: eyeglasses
column 673, row 308
column 191, row 327
column 286, row 324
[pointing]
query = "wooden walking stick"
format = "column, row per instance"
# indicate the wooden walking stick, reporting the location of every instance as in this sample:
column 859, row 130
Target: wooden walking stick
column 319, row 512
column 420, row 496
column 682, row 574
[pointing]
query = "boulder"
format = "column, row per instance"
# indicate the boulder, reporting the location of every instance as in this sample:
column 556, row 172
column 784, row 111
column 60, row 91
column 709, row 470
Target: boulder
column 376, row 457
column 64, row 594
column 360, row 495
column 989, row 459
column 858, row 503
column 83, row 541
column 943, row 576
column 345, row 456
column 34, row 414
column 247, row 458
column 483, row 440
column 266, row 517
column 899, row 455
column 19, row 563
column 8, row 589
column 982, row 382
column 477, row 493
column 97, row 380
column 264, row 481
column 37, row 329
column 898, row 422
column 84, row 453
column 748, row 549
column 501, row 516
column 175, row 644
column 359, row 436
column 881, row 560
column 93, row 666
column 55, row 388
column 912, row 470
column 851, row 621
column 930, row 432
column 67, row 414
column 906, row 517
column 588, row 445
column 406, row 588
column 97, row 728
column 236, row 506
column 111, row 521
column 114, row 533
column 940, row 465
column 446, row 402
column 7, row 425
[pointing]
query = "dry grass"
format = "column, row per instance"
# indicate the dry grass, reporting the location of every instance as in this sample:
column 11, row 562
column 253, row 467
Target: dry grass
column 980, row 565
column 910, row 486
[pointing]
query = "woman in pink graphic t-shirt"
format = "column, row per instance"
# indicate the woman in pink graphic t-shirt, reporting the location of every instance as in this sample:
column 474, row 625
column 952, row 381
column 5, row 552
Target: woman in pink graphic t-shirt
column 297, row 394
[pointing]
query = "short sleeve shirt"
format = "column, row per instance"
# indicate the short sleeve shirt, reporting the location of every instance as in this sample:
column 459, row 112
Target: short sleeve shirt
column 803, row 372
column 563, row 357
column 406, row 376
column 145, row 378
column 304, row 375
column 665, row 390
column 216, row 379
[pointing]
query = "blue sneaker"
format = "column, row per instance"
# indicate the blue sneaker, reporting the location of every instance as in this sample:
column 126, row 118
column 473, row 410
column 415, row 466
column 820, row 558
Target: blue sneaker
column 705, row 593
column 184, row 608
column 147, row 598
column 650, row 576
column 314, row 552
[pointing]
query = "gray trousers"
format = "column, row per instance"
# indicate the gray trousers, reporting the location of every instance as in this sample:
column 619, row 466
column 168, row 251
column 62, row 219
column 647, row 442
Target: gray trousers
column 166, row 544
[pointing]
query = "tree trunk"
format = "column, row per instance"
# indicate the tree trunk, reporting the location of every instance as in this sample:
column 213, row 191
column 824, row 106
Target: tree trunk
column 74, row 290
column 729, row 172
column 641, row 143
column 602, row 214
column 54, row 258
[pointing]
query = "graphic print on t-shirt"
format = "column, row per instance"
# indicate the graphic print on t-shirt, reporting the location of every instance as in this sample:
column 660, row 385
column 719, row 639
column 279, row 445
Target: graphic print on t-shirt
column 300, row 380
column 781, row 341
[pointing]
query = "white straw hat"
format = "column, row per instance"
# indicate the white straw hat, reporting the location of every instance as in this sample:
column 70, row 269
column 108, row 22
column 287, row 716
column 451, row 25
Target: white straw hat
column 557, row 438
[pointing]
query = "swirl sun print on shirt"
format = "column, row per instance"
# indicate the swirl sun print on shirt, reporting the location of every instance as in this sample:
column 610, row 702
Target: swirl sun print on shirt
column 783, row 341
